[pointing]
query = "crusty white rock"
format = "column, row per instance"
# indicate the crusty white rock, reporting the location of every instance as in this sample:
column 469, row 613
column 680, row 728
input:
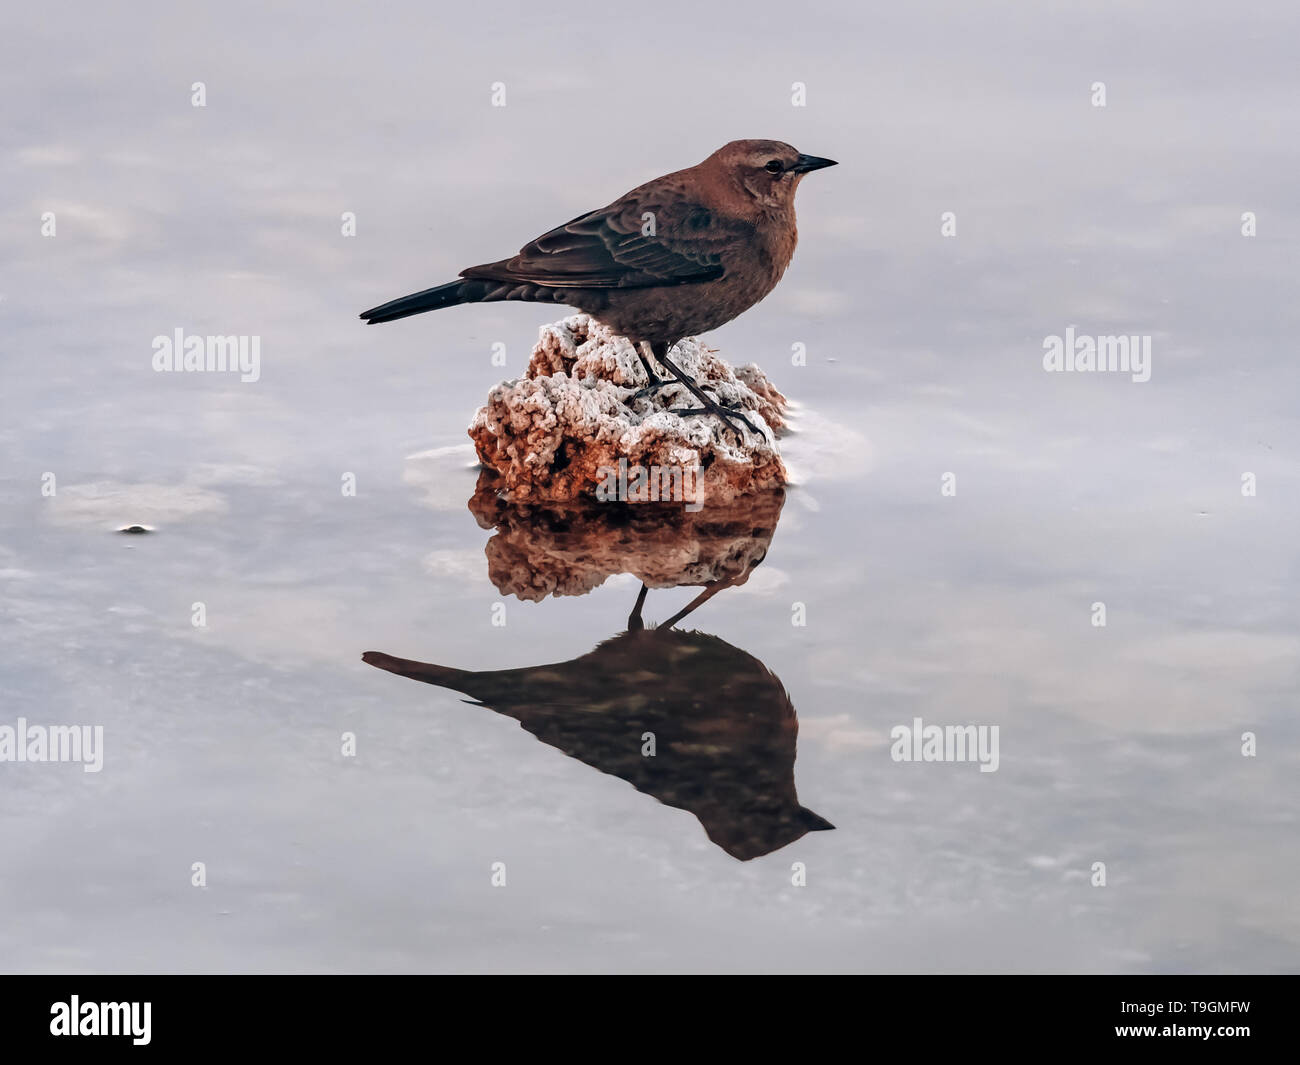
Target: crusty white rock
column 555, row 434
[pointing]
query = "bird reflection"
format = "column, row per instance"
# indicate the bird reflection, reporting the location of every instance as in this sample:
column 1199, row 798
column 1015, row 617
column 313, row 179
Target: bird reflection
column 683, row 716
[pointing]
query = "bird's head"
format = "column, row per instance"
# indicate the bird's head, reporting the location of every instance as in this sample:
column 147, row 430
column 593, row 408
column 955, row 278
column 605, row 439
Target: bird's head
column 766, row 171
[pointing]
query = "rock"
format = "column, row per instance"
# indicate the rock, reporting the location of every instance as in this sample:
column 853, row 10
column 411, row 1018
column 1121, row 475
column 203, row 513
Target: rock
column 558, row 433
column 543, row 549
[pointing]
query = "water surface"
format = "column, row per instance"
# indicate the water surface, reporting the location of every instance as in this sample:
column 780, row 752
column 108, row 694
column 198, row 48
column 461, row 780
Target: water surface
column 1119, row 744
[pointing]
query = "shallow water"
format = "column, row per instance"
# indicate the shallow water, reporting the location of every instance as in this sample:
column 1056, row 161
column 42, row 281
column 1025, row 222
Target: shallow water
column 1118, row 744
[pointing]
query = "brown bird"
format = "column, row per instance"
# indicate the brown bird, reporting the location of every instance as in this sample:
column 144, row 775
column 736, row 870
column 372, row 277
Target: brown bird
column 675, row 257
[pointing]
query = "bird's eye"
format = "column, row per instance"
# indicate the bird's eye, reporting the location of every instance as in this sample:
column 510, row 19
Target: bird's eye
column 774, row 167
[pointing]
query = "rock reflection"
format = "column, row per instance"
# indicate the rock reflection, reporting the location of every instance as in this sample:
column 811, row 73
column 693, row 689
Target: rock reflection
column 544, row 549
column 683, row 716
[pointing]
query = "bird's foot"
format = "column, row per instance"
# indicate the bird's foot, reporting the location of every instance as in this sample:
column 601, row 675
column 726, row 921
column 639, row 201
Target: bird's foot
column 708, row 405
column 648, row 391
column 723, row 412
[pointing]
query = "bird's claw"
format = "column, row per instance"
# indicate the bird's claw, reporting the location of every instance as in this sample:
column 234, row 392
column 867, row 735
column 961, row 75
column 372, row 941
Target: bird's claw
column 725, row 414
column 649, row 390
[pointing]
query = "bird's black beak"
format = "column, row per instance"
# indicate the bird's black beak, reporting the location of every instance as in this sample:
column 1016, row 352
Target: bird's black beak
column 806, row 163
column 814, row 822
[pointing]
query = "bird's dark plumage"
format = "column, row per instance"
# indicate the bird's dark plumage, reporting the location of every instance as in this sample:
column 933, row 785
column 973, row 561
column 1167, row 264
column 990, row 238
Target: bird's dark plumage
column 431, row 299
column 677, row 256
column 724, row 727
column 607, row 249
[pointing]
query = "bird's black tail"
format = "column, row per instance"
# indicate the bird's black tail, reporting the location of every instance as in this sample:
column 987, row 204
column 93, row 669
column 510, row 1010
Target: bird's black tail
column 431, row 299
column 425, row 671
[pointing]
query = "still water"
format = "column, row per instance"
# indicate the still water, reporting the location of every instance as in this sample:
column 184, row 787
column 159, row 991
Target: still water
column 957, row 514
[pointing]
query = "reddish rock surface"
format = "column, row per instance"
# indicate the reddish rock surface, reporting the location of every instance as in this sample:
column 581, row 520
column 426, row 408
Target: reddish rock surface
column 556, row 434
column 543, row 549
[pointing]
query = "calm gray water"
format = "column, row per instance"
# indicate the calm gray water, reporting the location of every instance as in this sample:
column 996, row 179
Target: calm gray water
column 1119, row 744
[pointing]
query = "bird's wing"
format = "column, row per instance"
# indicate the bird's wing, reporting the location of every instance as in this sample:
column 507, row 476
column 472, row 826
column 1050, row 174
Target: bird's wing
column 639, row 243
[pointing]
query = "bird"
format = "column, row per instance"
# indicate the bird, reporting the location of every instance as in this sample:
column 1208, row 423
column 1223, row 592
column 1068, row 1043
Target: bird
column 723, row 726
column 675, row 257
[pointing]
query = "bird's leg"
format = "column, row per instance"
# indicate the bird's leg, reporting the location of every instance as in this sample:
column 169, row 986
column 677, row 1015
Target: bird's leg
column 650, row 390
column 710, row 590
column 634, row 622
column 704, row 410
column 711, row 406
column 656, row 382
